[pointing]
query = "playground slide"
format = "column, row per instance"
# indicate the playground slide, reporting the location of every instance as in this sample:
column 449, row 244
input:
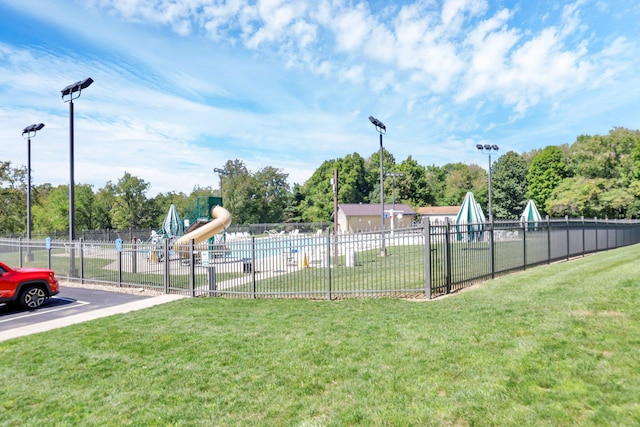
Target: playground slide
column 221, row 220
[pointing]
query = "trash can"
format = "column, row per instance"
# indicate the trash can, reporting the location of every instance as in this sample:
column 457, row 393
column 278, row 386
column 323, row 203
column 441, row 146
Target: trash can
column 211, row 276
column 247, row 266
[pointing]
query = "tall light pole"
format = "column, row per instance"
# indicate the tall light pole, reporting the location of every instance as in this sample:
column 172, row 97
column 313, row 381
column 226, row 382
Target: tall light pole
column 73, row 91
column 381, row 129
column 221, row 173
column 30, row 131
column 488, row 149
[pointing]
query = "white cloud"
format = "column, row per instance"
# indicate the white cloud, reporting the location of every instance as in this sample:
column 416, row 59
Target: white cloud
column 453, row 11
column 351, row 27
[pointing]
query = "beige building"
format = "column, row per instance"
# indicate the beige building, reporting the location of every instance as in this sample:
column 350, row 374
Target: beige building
column 439, row 214
column 354, row 218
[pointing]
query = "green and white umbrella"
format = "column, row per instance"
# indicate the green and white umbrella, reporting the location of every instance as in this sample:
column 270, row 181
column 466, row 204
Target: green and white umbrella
column 530, row 215
column 470, row 219
column 172, row 226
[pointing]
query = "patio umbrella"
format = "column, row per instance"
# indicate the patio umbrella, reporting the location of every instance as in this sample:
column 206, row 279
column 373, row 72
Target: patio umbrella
column 530, row 215
column 470, row 219
column 172, row 226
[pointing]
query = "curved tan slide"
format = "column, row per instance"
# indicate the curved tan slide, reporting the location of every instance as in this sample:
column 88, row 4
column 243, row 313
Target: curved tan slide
column 221, row 220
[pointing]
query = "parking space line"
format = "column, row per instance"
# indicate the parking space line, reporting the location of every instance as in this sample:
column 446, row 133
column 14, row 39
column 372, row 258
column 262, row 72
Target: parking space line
column 74, row 303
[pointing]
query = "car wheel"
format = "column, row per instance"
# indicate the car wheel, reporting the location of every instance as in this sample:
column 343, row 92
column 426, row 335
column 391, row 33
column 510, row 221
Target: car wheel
column 32, row 297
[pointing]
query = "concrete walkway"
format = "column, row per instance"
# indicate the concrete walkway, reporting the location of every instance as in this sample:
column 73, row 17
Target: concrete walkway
column 90, row 315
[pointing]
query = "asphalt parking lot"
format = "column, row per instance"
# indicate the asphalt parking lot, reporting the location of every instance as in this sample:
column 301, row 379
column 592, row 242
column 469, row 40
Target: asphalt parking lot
column 72, row 305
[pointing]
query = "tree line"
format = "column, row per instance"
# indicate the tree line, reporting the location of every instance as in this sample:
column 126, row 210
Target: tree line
column 595, row 176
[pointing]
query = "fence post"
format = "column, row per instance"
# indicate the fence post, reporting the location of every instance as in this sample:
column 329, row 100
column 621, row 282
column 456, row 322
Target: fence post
column 606, row 227
column 328, row 263
column 524, row 225
column 254, row 284
column 119, row 269
column 492, row 254
column 447, row 257
column 167, row 267
column 427, row 257
column 583, row 235
column 81, row 243
column 192, row 268
column 548, row 240
column 20, row 251
column 595, row 225
column 134, row 255
column 566, row 221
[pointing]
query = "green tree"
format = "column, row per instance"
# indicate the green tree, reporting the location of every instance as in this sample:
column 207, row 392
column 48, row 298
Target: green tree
column 590, row 197
column 413, row 187
column 13, row 198
column 609, row 156
column 547, row 170
column 292, row 210
column 509, row 185
column 436, row 185
column 461, row 178
column 52, row 212
column 85, row 209
column 272, row 190
column 238, row 189
column 131, row 208
column 373, row 174
column 353, row 186
column 105, row 200
column 317, row 205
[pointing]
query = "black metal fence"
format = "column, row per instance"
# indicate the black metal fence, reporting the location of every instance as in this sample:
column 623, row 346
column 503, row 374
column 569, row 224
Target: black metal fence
column 424, row 261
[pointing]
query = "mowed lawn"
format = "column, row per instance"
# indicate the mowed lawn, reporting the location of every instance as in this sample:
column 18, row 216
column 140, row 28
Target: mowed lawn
column 555, row 345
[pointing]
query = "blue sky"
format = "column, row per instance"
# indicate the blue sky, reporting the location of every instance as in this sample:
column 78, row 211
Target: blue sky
column 182, row 86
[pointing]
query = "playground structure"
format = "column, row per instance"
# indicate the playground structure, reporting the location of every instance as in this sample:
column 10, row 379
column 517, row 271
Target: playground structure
column 203, row 233
column 206, row 218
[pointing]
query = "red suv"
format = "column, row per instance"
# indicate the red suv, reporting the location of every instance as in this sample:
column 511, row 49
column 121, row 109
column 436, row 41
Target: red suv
column 29, row 287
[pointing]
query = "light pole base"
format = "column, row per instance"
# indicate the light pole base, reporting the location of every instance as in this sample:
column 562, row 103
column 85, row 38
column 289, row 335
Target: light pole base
column 383, row 252
column 73, row 271
column 29, row 257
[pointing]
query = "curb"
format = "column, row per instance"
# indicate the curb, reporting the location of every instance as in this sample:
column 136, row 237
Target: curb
column 91, row 315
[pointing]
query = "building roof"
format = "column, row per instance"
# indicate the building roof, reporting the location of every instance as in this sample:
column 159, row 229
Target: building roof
column 439, row 210
column 361, row 209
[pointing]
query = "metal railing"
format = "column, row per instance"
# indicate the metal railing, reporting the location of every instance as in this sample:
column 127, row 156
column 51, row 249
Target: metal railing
column 423, row 261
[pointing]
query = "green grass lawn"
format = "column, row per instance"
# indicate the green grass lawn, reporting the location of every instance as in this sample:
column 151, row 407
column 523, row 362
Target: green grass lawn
column 555, row 345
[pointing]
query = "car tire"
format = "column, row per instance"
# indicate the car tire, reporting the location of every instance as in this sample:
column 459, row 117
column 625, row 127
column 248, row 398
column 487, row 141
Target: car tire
column 32, row 297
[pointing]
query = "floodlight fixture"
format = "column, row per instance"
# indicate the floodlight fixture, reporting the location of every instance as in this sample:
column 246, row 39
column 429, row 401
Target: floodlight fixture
column 380, row 127
column 77, row 87
column 32, row 129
